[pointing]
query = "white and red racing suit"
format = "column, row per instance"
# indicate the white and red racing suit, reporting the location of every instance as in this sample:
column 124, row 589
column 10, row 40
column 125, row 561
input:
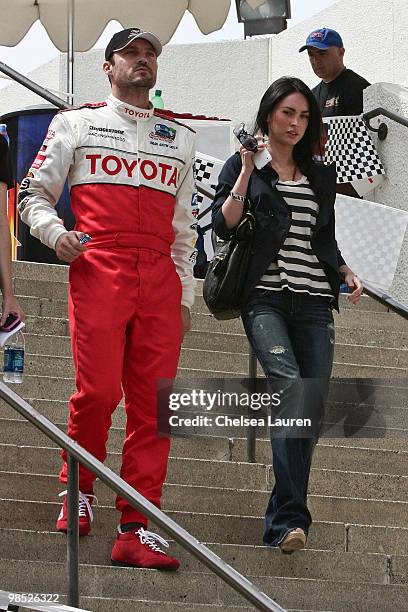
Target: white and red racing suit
column 131, row 182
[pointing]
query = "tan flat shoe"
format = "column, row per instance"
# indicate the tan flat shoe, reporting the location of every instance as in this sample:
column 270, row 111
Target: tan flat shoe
column 295, row 540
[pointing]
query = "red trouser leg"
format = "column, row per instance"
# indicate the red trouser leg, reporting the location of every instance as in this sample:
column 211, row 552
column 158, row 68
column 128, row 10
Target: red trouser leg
column 98, row 327
column 152, row 353
column 125, row 321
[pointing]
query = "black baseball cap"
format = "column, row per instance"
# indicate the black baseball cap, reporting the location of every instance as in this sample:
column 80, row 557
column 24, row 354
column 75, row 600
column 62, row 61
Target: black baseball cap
column 122, row 39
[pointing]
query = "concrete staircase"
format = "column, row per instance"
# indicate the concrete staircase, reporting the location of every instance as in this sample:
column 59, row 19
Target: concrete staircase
column 357, row 555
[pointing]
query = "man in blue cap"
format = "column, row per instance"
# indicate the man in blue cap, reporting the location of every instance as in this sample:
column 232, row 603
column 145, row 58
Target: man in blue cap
column 340, row 91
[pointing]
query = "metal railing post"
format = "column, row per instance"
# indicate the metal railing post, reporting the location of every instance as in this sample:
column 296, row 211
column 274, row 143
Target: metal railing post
column 70, row 51
column 251, row 430
column 73, row 531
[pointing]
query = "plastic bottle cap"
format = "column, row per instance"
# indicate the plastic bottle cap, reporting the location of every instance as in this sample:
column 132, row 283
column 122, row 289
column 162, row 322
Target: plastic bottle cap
column 157, row 92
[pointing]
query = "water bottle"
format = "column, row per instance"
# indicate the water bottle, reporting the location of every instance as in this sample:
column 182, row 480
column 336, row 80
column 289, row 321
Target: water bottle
column 14, row 359
column 157, row 100
column 3, row 132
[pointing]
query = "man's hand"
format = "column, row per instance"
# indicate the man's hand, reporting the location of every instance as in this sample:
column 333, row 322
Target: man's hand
column 185, row 320
column 68, row 247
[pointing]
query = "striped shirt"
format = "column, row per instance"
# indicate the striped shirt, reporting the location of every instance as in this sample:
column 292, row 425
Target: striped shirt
column 296, row 267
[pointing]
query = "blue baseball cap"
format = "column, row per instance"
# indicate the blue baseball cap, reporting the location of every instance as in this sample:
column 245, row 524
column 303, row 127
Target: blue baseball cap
column 322, row 39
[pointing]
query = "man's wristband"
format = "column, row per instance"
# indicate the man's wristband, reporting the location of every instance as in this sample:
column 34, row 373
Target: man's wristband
column 237, row 197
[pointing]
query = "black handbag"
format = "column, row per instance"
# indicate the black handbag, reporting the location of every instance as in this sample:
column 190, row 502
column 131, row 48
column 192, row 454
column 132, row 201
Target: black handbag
column 225, row 279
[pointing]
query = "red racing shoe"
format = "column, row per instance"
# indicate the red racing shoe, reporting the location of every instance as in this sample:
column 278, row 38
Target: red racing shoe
column 85, row 514
column 141, row 548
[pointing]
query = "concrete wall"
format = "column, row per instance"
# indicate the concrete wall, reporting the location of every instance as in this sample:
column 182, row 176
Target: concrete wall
column 16, row 97
column 374, row 35
column 227, row 78
column 192, row 78
column 393, row 152
column 90, row 83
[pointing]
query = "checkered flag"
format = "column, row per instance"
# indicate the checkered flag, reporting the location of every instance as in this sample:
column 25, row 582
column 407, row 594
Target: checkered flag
column 349, row 145
column 206, row 171
column 203, row 169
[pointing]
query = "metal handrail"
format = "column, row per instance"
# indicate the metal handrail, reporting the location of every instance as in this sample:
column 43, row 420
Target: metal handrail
column 34, row 87
column 382, row 129
column 227, row 573
column 386, row 300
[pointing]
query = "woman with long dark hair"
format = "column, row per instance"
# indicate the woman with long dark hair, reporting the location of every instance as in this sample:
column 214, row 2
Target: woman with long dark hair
column 292, row 283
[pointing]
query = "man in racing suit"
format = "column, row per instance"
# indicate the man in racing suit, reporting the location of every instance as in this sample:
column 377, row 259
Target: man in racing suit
column 131, row 285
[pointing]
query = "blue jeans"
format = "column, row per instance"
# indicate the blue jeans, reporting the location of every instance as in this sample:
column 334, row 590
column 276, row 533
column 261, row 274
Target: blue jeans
column 292, row 335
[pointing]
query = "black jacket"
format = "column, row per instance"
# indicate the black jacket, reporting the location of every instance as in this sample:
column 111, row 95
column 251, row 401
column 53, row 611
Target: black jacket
column 273, row 219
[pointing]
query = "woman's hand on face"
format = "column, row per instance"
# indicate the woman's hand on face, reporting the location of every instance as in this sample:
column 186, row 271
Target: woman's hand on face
column 247, row 157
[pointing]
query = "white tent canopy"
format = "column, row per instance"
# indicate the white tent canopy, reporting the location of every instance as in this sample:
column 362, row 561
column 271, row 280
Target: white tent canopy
column 91, row 17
